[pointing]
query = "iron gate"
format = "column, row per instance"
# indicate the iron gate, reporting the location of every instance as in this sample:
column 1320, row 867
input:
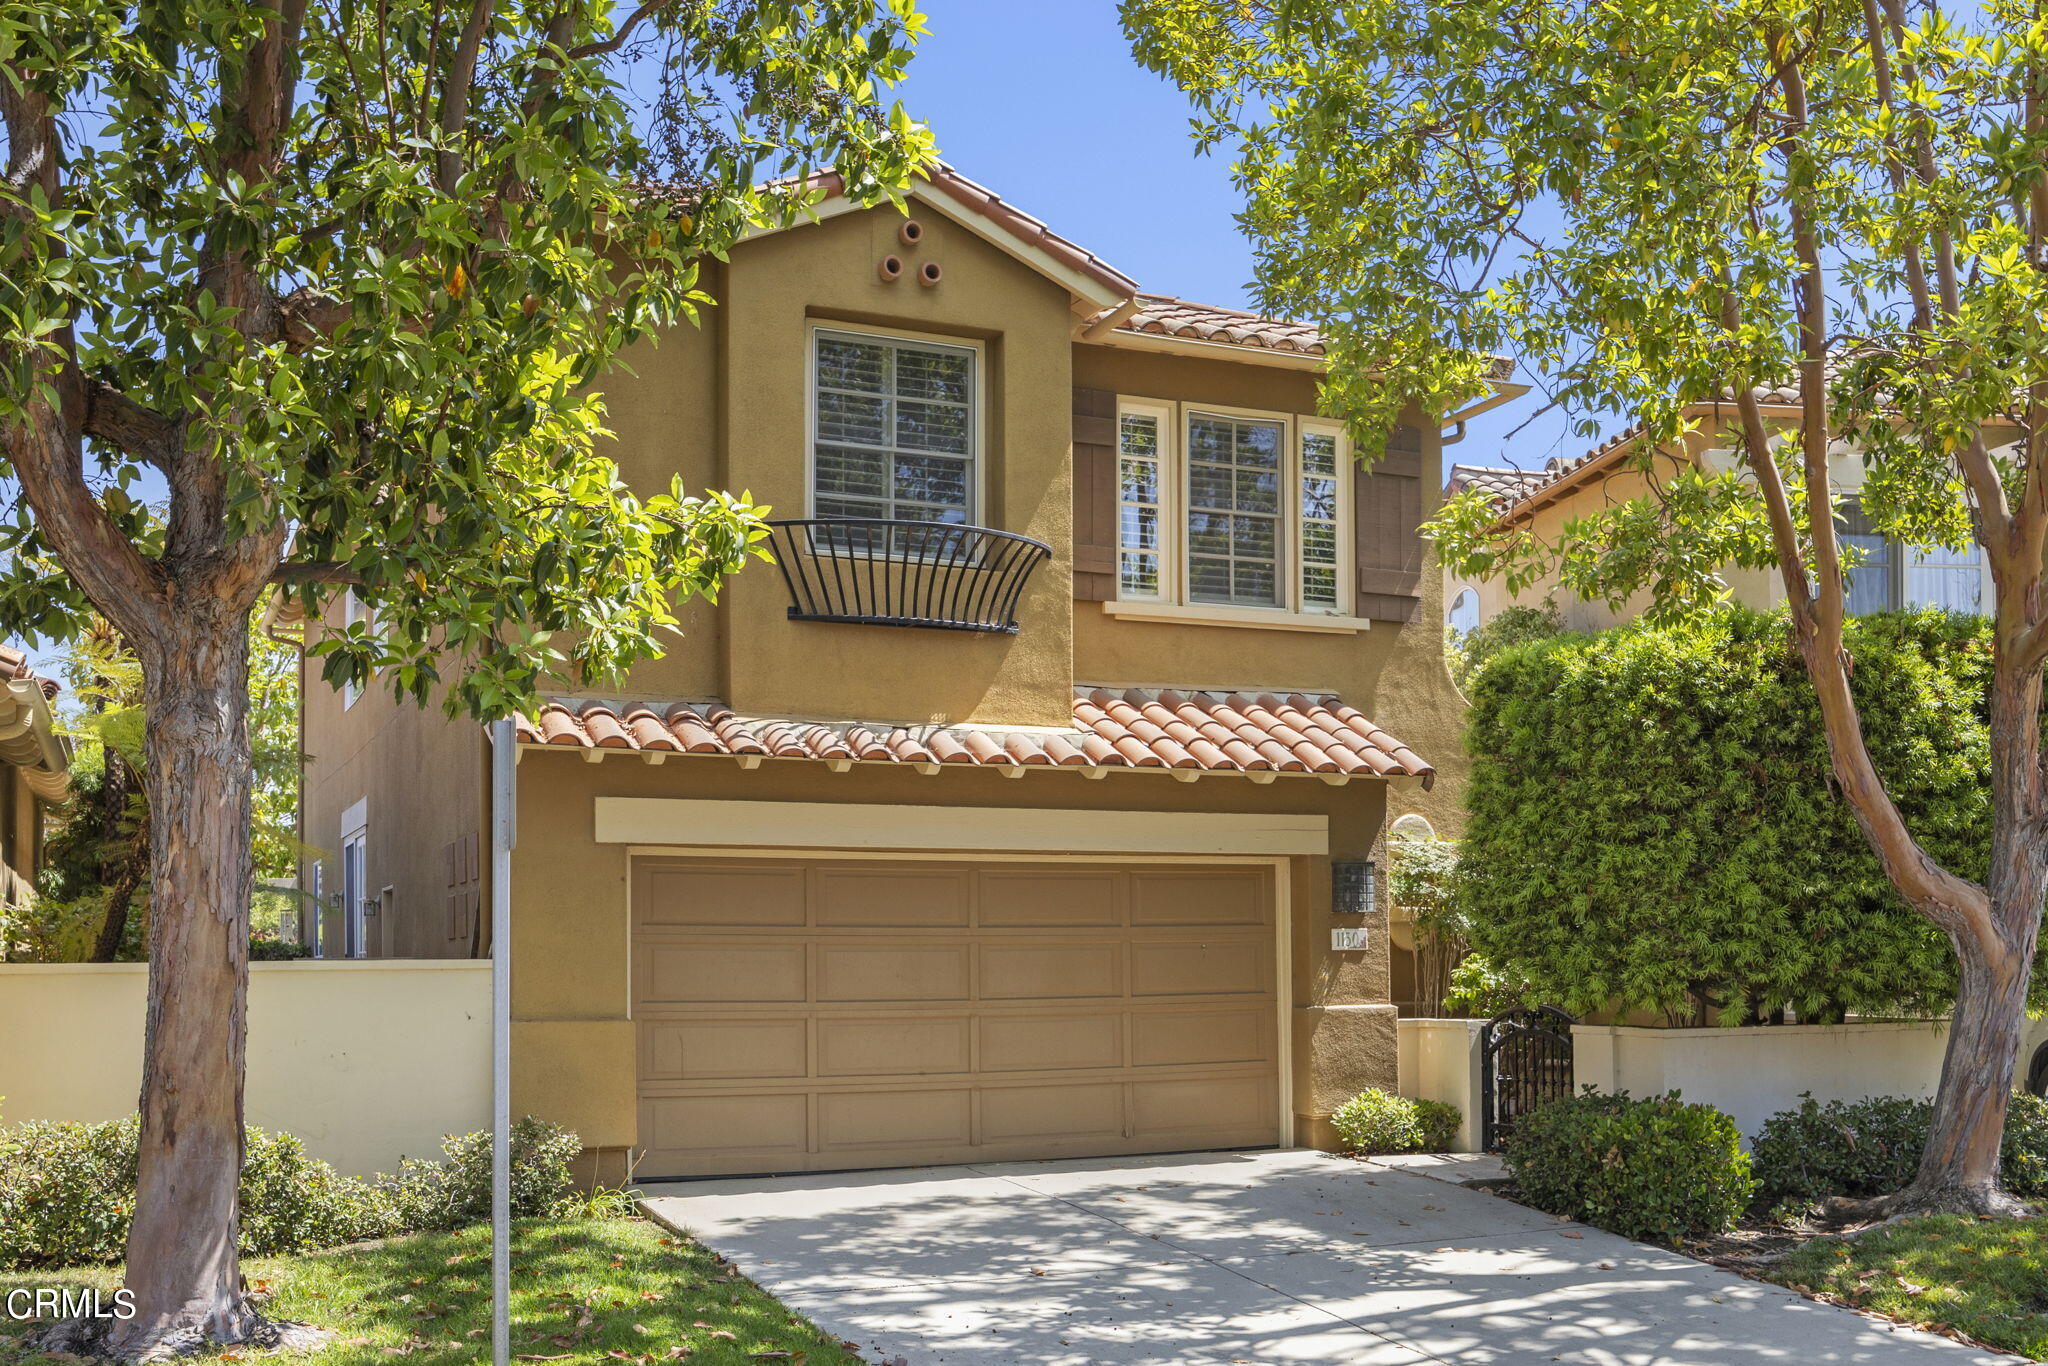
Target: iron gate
column 1525, row 1060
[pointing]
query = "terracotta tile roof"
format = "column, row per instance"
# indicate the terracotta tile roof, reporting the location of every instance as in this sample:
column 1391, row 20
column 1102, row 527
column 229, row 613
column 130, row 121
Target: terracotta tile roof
column 1198, row 731
column 1504, row 485
column 14, row 668
column 1164, row 315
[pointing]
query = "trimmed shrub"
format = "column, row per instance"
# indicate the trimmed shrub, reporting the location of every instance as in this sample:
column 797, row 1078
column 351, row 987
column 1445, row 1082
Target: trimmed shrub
column 457, row 1191
column 1872, row 1147
column 1652, row 823
column 67, row 1191
column 1659, row 1168
column 1376, row 1121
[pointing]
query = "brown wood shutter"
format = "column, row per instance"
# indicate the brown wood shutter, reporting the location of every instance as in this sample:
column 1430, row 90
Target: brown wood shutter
column 1387, row 550
column 1094, row 495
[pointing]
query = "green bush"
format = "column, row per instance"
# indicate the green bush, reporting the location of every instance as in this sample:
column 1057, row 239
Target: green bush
column 67, row 1191
column 1652, row 823
column 457, row 1191
column 1376, row 1121
column 1872, row 1147
column 1658, row 1168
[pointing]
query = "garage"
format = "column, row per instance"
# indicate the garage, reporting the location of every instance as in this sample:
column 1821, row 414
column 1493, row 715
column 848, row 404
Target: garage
column 833, row 1013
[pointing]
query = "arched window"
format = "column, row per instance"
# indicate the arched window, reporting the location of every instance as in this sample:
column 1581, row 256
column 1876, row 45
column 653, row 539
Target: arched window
column 1464, row 614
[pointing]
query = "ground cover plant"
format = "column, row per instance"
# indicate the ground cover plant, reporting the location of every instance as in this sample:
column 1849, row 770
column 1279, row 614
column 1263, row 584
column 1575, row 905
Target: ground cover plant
column 1984, row 1279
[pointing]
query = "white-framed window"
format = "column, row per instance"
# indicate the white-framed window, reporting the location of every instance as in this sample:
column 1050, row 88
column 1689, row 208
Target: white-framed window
column 319, row 944
column 1889, row 574
column 895, row 427
column 352, row 611
column 1145, row 480
column 355, row 880
column 1232, row 508
column 1464, row 614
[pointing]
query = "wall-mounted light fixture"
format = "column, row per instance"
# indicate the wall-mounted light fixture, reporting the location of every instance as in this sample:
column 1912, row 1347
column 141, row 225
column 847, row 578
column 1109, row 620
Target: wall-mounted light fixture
column 1353, row 886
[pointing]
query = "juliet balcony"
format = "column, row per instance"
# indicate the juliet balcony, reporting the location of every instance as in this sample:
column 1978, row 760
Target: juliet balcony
column 880, row 572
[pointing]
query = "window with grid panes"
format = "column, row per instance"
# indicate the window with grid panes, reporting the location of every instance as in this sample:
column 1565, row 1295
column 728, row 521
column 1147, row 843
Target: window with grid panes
column 1234, row 534
column 1319, row 521
column 895, row 429
column 1140, row 488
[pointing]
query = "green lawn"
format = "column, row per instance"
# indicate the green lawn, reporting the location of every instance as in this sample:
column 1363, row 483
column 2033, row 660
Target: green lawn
column 1985, row 1278
column 581, row 1292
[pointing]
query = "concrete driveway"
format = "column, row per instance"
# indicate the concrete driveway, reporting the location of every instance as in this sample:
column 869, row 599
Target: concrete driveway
column 1288, row 1256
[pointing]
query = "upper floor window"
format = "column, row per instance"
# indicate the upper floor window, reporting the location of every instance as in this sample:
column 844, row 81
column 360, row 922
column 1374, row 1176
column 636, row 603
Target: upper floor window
column 1254, row 514
column 896, row 428
column 1889, row 573
column 352, row 611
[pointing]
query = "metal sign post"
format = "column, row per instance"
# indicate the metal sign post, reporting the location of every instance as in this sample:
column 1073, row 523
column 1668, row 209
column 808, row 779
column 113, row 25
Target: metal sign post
column 503, row 831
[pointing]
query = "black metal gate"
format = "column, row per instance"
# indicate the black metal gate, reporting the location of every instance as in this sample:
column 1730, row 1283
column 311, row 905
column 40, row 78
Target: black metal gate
column 1525, row 1060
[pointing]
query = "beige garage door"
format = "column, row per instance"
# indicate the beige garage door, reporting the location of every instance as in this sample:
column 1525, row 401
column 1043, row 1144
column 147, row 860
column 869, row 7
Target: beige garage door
column 812, row 1015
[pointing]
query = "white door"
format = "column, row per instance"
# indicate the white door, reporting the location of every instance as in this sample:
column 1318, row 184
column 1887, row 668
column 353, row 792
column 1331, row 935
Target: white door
column 354, row 887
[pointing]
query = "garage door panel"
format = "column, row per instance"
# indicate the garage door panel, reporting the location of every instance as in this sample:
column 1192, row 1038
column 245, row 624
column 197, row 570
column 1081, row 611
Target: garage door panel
column 850, row 1121
column 708, row 1128
column 1051, row 1043
column 1183, row 1038
column 893, row 1047
column 731, row 973
column 694, row 1050
column 1050, row 898
column 1195, row 1105
column 1047, row 971
column 836, row 1013
column 750, row 895
column 1220, row 897
column 889, row 971
column 880, row 897
column 1011, row 1114
column 1207, row 967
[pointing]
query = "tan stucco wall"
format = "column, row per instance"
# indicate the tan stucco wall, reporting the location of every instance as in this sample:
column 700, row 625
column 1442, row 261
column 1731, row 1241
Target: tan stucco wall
column 366, row 1062
column 571, row 933
column 728, row 407
column 422, row 777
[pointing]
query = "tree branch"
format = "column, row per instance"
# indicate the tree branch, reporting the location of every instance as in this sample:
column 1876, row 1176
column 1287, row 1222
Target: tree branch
column 131, row 427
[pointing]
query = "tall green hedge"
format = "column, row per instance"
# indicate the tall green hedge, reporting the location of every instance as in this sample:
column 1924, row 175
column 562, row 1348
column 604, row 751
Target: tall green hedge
column 1653, row 825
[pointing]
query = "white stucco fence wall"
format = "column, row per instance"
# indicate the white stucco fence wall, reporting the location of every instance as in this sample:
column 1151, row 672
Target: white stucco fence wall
column 1439, row 1060
column 1753, row 1073
column 366, row 1061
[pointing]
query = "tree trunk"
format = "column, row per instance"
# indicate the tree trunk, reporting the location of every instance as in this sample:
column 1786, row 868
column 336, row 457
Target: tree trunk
column 1959, row 1168
column 182, row 1260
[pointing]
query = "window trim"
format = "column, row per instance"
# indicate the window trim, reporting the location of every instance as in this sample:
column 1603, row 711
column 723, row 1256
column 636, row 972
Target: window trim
column 979, row 464
column 355, row 834
column 1172, row 567
column 1176, row 471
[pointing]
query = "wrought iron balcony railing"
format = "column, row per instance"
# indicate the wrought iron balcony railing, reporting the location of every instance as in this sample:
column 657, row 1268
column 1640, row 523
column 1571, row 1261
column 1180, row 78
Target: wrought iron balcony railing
column 878, row 572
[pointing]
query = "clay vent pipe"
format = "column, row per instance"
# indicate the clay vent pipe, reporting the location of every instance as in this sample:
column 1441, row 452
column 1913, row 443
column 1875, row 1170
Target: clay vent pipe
column 911, row 233
column 929, row 274
column 890, row 269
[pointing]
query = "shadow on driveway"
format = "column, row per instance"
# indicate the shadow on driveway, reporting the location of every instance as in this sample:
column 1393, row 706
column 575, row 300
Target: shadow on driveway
column 1239, row 1257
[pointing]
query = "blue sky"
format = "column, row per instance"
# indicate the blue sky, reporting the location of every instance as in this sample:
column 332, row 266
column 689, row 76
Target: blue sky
column 1040, row 101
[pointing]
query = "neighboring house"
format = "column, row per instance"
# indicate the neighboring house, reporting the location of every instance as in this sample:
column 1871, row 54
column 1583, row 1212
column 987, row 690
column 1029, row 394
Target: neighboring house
column 36, row 773
column 1888, row 575
column 1092, row 870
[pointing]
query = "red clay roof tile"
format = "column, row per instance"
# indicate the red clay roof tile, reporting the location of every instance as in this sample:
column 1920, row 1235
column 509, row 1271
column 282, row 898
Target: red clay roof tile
column 1216, row 732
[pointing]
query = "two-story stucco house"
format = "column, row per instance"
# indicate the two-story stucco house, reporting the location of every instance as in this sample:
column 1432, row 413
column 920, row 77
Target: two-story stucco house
column 1027, row 806
column 1888, row 573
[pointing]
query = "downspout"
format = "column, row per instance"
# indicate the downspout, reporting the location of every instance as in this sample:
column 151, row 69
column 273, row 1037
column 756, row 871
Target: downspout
column 504, row 831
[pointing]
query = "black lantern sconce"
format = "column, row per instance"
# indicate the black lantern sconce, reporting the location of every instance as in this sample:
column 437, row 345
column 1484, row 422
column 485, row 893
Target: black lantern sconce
column 1353, row 887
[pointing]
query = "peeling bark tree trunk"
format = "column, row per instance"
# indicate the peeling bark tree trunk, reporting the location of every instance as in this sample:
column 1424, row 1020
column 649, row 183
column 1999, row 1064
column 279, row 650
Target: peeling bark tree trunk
column 182, row 1261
